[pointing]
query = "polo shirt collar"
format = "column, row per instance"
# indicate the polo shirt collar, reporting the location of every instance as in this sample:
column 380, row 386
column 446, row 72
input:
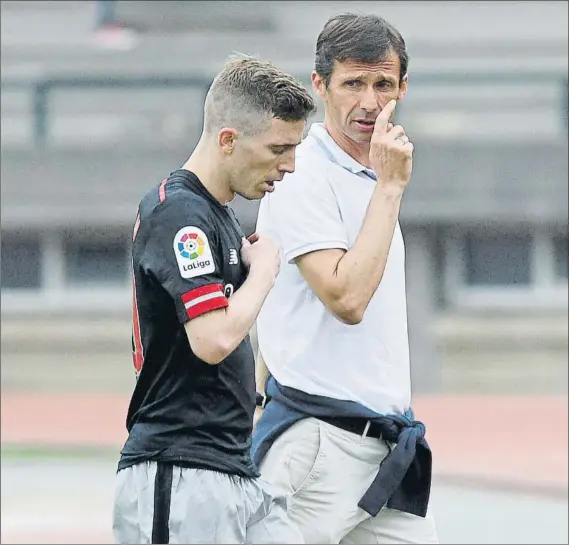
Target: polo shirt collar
column 335, row 152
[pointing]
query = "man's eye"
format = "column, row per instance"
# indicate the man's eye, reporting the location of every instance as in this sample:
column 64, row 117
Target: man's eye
column 352, row 83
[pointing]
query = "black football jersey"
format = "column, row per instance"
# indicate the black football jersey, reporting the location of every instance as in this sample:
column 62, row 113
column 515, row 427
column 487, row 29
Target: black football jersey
column 186, row 261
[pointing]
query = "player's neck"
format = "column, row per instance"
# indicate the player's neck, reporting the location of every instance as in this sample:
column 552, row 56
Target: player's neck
column 207, row 169
column 357, row 150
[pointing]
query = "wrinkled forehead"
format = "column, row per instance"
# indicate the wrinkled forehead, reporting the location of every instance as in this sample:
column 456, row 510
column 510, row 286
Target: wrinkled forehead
column 282, row 133
column 388, row 67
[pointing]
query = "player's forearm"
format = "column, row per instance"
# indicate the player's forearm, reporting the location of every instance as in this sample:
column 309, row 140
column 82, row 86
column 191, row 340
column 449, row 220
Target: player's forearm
column 221, row 331
column 361, row 268
column 244, row 307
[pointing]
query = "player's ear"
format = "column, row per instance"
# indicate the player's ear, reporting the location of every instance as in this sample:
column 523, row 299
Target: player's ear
column 318, row 84
column 226, row 138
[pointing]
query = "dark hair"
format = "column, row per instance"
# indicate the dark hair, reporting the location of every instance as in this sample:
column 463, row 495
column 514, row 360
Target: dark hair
column 362, row 38
column 248, row 92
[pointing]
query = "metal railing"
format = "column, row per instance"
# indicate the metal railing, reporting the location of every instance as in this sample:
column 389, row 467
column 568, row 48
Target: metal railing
column 42, row 88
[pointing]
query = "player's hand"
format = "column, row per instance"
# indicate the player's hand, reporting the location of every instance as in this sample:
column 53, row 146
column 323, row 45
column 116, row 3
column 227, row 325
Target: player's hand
column 261, row 254
column 390, row 152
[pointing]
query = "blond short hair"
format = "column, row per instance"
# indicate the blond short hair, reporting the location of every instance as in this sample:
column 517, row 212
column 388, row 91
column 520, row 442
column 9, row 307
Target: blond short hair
column 248, row 92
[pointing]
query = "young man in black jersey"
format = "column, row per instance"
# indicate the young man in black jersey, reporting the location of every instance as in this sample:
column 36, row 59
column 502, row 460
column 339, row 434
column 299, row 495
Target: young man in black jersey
column 185, row 474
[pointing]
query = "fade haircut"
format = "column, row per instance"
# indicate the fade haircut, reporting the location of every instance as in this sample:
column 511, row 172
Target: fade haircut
column 360, row 38
column 249, row 92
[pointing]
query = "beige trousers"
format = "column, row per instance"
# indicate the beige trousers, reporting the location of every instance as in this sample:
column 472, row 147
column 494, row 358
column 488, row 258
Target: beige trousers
column 324, row 471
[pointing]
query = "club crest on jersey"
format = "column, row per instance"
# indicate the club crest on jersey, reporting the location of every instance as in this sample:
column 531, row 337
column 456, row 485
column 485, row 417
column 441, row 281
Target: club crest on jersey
column 193, row 252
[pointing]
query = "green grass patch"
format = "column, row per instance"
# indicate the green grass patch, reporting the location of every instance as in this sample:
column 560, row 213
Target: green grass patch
column 50, row 452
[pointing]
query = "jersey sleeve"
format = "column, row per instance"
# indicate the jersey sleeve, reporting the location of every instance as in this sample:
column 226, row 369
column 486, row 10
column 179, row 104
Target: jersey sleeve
column 303, row 214
column 182, row 253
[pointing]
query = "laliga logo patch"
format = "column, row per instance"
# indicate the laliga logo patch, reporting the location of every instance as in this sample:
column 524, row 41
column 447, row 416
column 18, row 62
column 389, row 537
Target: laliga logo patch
column 193, row 252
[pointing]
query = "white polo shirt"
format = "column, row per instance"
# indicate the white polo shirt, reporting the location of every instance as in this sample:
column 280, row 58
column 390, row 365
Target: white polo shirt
column 320, row 206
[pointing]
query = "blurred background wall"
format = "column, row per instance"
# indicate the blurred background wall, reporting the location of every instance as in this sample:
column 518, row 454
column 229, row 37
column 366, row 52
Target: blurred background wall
column 92, row 117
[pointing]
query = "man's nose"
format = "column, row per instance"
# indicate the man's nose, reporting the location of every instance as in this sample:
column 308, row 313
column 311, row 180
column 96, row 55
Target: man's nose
column 288, row 165
column 368, row 100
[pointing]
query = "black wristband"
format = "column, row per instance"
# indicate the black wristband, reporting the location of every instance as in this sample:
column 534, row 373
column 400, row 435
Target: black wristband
column 260, row 400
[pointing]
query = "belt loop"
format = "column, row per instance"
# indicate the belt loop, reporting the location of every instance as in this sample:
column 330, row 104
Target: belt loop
column 366, row 429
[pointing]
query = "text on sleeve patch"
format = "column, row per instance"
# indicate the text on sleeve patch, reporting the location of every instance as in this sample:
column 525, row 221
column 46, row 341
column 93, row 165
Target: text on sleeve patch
column 193, row 252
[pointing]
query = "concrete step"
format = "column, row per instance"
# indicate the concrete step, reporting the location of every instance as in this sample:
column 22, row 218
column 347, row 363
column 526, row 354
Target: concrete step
column 95, row 354
column 537, row 329
column 109, row 368
column 538, row 372
column 514, row 333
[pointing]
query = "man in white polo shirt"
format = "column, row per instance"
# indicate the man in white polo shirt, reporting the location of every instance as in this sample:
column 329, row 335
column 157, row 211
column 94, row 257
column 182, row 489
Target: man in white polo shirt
column 333, row 331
